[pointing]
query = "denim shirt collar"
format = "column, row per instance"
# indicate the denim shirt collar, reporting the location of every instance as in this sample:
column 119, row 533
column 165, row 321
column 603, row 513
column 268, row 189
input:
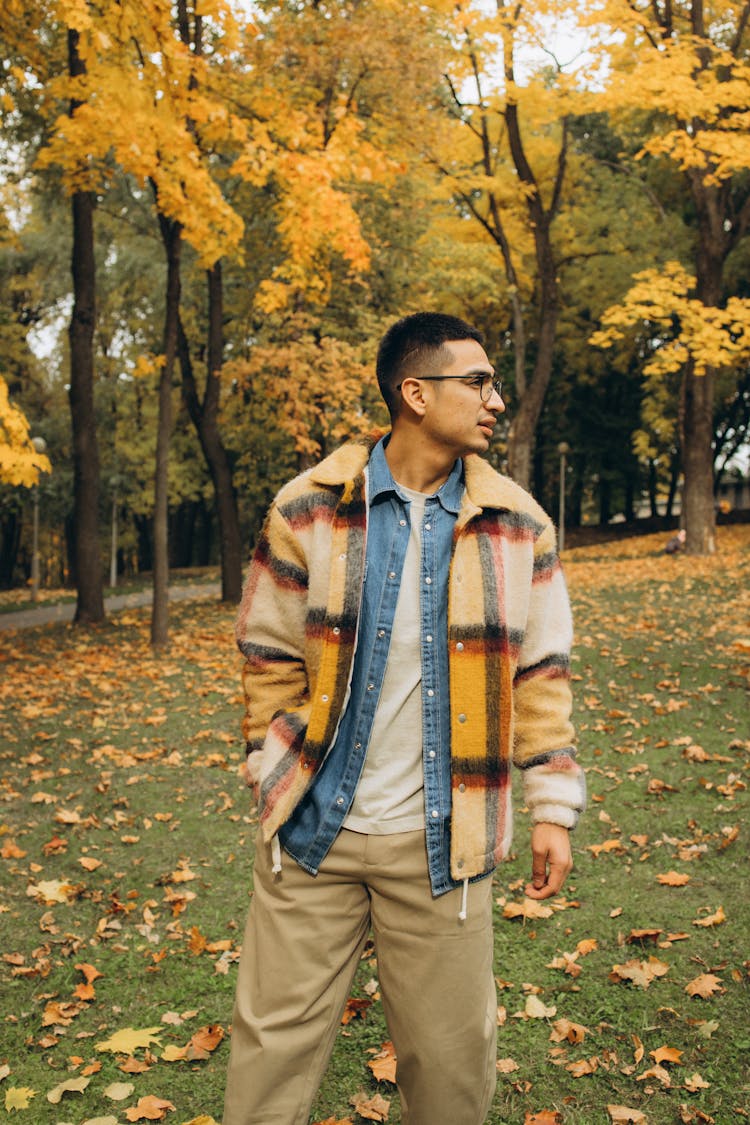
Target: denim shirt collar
column 380, row 480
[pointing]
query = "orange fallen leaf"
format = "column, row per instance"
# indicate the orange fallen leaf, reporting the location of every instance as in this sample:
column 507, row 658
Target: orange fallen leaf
column 355, row 1009
column 706, row 985
column 88, row 863
column 673, row 879
column 383, row 1064
column 657, row 1072
column 544, row 1117
column 666, row 1054
column 714, row 919
column 149, row 1108
column 90, row 973
column 566, row 1029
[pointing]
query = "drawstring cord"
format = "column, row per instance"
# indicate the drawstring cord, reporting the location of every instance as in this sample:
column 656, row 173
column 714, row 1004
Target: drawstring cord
column 276, row 855
column 464, row 895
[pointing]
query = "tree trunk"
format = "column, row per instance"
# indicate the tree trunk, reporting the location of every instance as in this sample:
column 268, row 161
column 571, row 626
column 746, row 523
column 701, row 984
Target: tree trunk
column 88, row 563
column 699, row 515
column 205, row 417
column 171, row 232
column 10, row 542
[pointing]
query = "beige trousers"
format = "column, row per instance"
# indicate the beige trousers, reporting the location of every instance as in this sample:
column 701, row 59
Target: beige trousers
column 302, row 944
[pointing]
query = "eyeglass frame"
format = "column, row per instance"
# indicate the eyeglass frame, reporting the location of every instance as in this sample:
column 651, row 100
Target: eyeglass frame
column 494, row 384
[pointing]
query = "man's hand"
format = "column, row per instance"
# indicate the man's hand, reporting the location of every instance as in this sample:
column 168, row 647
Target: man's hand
column 551, row 860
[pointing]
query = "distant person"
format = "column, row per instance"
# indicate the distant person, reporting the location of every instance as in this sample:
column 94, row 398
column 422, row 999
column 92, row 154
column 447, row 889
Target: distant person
column 406, row 633
column 676, row 543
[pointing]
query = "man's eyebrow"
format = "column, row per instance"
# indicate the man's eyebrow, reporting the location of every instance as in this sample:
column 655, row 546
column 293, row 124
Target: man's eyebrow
column 479, row 371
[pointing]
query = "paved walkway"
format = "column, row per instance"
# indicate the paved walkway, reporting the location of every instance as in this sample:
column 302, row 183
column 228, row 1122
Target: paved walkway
column 65, row 611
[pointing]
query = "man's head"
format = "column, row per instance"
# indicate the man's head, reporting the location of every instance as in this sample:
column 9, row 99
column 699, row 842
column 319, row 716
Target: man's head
column 414, row 346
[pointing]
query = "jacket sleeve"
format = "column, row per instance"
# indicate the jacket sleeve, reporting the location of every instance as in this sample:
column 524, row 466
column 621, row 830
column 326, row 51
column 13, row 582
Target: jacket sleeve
column 554, row 783
column 270, row 633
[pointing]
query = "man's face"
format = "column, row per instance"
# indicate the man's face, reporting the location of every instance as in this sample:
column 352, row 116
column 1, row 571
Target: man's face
column 455, row 416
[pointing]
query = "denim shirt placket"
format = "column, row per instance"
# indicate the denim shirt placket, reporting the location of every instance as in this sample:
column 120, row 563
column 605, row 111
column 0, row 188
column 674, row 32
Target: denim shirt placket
column 315, row 823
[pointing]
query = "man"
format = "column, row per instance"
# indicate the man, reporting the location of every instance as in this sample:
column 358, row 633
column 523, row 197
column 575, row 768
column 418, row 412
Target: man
column 406, row 632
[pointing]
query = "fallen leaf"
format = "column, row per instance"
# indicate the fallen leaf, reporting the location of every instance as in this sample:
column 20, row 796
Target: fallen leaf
column 383, row 1064
column 695, row 1083
column 506, row 1066
column 657, row 1072
column 623, row 1115
column 372, row 1109
column 149, row 1108
column 118, row 1091
column 355, row 1009
column 129, row 1039
column 529, row 908
column 536, row 1010
column 713, row 919
column 70, row 1085
column 18, row 1097
column 544, row 1117
column 706, row 985
column 666, row 1054
column 565, row 1029
column 50, row 891
column 640, row 973
column 673, row 879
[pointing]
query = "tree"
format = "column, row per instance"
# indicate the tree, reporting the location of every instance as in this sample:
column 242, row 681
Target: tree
column 506, row 162
column 20, row 462
column 683, row 69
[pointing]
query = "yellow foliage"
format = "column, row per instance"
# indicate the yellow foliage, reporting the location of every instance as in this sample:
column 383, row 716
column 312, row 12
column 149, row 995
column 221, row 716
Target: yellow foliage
column 683, row 328
column 19, row 461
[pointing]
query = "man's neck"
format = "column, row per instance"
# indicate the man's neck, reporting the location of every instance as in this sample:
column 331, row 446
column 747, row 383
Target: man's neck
column 423, row 469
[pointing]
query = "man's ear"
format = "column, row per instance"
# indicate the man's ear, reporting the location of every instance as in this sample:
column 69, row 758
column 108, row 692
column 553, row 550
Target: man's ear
column 412, row 395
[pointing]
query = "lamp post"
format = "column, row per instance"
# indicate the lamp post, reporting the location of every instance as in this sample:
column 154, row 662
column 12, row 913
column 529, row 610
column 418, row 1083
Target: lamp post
column 40, row 446
column 563, row 449
column 114, row 482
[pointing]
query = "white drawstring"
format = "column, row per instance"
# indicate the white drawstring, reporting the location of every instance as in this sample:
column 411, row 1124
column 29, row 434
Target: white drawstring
column 276, row 855
column 464, row 895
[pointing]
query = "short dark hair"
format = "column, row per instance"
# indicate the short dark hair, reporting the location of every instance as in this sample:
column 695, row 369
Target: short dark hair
column 416, row 343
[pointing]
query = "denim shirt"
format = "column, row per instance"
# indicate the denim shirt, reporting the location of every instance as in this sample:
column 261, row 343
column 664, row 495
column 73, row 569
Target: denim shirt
column 310, row 831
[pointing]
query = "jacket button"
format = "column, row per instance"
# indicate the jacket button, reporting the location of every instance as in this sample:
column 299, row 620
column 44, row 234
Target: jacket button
column 324, row 698
column 459, row 864
column 460, row 646
column 462, row 718
column 336, row 630
column 462, row 788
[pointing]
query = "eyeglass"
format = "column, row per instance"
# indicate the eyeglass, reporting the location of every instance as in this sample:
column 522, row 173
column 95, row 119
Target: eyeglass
column 486, row 383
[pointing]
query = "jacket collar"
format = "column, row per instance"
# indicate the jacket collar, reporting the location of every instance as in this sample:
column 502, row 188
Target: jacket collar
column 485, row 488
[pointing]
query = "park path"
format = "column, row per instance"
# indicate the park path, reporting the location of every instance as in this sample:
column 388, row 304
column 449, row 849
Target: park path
column 64, row 611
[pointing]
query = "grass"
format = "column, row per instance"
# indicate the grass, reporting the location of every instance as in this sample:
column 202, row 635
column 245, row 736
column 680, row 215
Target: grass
column 110, row 754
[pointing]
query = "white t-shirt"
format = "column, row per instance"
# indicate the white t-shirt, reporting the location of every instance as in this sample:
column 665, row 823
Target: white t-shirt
column 390, row 794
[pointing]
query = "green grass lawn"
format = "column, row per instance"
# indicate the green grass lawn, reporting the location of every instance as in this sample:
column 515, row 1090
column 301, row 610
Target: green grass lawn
column 126, row 845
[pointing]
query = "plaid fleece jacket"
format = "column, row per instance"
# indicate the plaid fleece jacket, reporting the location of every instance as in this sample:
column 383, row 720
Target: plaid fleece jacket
column 509, row 635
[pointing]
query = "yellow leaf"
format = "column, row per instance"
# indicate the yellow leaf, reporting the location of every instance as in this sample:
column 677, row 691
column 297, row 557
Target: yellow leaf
column 623, row 1115
column 536, row 1010
column 18, row 1097
column 129, row 1039
column 70, row 1085
column 118, row 1091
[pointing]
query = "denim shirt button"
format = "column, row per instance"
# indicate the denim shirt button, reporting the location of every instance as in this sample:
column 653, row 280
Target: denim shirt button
column 339, row 800
column 430, row 692
column 428, row 638
column 428, row 580
column 434, row 814
column 431, row 754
